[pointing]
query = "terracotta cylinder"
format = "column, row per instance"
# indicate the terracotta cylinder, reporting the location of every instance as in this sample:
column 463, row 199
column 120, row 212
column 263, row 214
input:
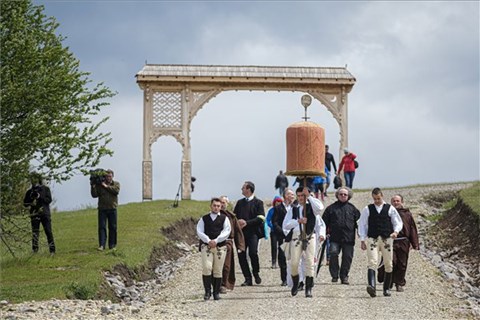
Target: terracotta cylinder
column 305, row 149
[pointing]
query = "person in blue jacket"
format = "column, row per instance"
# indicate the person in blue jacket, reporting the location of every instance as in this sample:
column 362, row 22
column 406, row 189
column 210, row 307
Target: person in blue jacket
column 273, row 237
column 320, row 185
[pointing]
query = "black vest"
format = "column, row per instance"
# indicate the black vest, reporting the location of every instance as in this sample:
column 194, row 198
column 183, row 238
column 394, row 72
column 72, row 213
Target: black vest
column 213, row 228
column 379, row 224
column 310, row 217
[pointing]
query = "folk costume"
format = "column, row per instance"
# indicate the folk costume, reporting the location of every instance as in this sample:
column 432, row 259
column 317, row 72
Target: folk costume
column 406, row 239
column 235, row 236
column 375, row 226
column 251, row 210
column 303, row 241
column 214, row 227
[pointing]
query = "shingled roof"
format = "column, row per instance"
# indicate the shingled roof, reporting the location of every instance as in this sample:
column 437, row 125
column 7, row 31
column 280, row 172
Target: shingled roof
column 322, row 74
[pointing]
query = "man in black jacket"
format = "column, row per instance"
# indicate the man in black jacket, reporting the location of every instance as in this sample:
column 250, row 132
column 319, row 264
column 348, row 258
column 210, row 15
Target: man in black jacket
column 277, row 220
column 329, row 161
column 281, row 182
column 38, row 198
column 251, row 215
column 341, row 220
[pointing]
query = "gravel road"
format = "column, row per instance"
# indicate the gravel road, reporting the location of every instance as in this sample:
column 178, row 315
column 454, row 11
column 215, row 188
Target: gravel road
column 427, row 294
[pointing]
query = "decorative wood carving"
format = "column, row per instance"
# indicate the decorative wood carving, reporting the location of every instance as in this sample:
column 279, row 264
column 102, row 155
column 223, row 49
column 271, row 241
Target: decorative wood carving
column 173, row 95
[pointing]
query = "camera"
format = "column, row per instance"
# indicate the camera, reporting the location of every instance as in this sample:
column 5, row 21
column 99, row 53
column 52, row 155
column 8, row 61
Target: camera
column 35, row 193
column 97, row 176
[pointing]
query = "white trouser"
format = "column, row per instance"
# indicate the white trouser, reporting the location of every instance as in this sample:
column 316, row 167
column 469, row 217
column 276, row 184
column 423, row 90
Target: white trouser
column 213, row 260
column 385, row 247
column 308, row 256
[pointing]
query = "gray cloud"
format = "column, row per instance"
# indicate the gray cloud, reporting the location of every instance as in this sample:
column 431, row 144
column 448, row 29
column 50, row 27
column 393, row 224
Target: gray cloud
column 413, row 114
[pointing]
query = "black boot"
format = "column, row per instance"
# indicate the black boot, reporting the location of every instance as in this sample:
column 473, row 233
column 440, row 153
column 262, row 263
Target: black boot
column 387, row 284
column 217, row 282
column 248, row 282
column 300, row 286
column 283, row 276
column 381, row 274
column 207, row 284
column 371, row 288
column 308, row 287
column 295, row 284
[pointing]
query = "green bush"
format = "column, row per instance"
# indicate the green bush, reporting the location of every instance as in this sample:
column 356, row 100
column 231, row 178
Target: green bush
column 76, row 290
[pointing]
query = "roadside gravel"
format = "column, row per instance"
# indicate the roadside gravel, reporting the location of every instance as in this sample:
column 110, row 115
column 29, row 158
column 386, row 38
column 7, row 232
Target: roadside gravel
column 428, row 295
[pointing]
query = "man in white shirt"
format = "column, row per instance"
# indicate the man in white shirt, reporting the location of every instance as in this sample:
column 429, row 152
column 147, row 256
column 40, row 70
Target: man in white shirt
column 378, row 226
column 302, row 219
column 213, row 230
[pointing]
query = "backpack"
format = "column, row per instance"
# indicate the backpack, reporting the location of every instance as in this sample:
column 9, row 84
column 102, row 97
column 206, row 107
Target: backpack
column 337, row 182
column 355, row 163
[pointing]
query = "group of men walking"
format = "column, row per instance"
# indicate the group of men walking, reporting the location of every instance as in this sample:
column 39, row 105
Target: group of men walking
column 384, row 230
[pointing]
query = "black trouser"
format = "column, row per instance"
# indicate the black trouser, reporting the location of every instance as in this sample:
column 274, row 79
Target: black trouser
column 273, row 247
column 282, row 261
column 251, row 244
column 46, row 222
column 347, row 257
column 109, row 215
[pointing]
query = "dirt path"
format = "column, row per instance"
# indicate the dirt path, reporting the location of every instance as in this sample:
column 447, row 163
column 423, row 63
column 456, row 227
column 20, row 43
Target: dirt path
column 427, row 294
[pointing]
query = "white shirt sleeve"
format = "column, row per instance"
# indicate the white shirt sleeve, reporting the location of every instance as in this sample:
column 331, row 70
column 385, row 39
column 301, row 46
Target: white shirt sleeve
column 201, row 231
column 320, row 227
column 225, row 232
column 363, row 224
column 289, row 223
column 317, row 205
column 397, row 222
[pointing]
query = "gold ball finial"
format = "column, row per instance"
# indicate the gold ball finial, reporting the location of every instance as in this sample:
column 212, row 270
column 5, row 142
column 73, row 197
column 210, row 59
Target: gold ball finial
column 306, row 101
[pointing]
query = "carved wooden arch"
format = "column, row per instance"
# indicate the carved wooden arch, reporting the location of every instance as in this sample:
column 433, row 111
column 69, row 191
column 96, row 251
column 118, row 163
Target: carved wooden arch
column 173, row 95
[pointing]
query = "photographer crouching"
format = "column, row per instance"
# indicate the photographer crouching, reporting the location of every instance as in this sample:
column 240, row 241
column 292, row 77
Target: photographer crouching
column 106, row 190
column 38, row 198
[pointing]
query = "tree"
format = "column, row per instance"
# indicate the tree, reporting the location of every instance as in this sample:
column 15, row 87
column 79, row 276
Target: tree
column 47, row 106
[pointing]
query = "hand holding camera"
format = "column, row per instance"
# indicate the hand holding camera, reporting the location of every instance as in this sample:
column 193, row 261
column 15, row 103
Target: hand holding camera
column 97, row 177
column 35, row 194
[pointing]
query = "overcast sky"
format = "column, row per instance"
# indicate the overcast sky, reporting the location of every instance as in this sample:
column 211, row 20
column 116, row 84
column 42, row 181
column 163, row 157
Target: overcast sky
column 413, row 113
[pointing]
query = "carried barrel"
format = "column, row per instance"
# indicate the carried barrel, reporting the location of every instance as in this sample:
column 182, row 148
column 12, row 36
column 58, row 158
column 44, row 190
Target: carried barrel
column 305, row 149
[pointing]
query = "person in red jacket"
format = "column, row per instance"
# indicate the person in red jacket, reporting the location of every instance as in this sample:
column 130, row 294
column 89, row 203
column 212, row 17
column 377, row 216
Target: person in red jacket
column 348, row 166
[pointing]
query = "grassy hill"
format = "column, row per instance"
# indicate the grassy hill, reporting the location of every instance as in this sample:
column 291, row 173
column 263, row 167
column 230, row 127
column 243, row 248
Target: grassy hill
column 471, row 197
column 77, row 265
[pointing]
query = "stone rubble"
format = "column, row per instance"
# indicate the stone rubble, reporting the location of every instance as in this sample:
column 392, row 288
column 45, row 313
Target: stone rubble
column 176, row 291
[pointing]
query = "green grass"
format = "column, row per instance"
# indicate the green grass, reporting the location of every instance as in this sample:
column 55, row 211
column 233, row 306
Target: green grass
column 77, row 266
column 471, row 197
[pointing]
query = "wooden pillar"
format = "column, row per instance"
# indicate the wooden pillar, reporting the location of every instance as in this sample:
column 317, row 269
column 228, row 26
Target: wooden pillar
column 186, row 173
column 147, row 152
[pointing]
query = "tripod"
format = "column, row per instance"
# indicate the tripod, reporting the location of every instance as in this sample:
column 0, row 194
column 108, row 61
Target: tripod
column 175, row 202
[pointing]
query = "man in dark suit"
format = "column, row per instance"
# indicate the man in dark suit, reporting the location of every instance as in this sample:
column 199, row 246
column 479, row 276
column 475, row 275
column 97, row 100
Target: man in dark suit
column 251, row 216
column 277, row 221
